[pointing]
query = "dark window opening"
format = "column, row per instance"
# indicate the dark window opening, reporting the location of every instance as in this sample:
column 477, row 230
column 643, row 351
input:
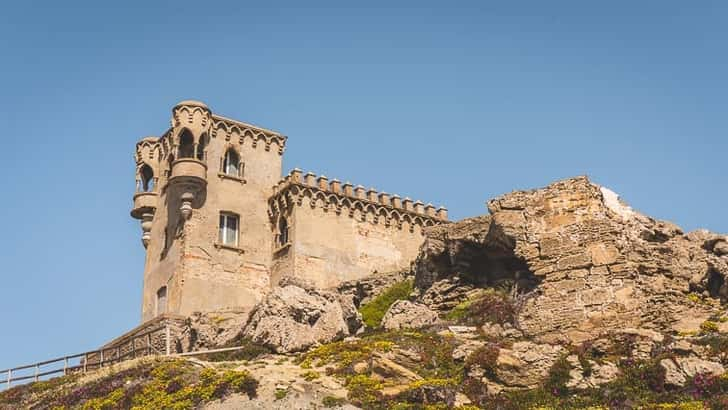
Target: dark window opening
column 282, row 232
column 186, row 145
column 231, row 163
column 147, row 178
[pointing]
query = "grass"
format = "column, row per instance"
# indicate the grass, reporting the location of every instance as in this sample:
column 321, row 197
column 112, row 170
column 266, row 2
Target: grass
column 168, row 384
column 373, row 312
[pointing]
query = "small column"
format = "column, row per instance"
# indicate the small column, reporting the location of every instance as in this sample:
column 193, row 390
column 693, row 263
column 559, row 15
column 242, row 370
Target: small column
column 430, row 210
column 360, row 192
column 348, row 189
column 396, row 201
column 372, row 194
column 335, row 186
column 419, row 207
column 310, row 179
column 384, row 199
column 323, row 183
column 442, row 213
column 296, row 175
column 407, row 204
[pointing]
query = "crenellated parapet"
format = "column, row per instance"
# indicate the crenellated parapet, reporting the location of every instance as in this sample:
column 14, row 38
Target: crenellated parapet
column 347, row 199
column 232, row 130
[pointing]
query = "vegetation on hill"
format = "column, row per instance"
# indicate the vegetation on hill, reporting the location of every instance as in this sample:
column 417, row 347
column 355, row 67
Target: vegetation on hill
column 147, row 385
column 373, row 312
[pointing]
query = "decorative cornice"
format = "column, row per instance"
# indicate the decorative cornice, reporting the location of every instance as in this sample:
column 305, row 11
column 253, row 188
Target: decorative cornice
column 347, row 199
column 148, row 148
column 227, row 128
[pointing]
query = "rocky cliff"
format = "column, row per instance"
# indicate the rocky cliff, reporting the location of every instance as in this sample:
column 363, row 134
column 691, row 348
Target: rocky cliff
column 560, row 297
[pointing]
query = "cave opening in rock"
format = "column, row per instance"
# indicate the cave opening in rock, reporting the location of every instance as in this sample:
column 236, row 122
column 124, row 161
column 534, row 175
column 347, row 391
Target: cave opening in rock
column 715, row 284
column 492, row 266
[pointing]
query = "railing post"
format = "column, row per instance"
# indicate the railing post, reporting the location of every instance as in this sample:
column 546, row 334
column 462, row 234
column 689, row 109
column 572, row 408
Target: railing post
column 65, row 365
column 85, row 361
column 149, row 344
column 101, row 363
column 10, row 378
column 37, row 370
column 168, row 340
column 133, row 348
column 118, row 354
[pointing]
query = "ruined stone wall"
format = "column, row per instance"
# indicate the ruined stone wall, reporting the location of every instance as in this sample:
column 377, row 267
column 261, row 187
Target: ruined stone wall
column 587, row 262
column 339, row 233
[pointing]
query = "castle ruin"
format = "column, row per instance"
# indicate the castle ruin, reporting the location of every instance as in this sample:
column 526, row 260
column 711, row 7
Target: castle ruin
column 221, row 225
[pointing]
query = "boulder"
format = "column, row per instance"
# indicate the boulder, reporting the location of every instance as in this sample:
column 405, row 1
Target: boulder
column 404, row 314
column 292, row 318
column 720, row 248
column 599, row 374
column 526, row 364
column 680, row 370
column 210, row 329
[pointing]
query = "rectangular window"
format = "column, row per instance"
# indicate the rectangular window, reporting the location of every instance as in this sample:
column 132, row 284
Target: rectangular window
column 228, row 229
column 162, row 300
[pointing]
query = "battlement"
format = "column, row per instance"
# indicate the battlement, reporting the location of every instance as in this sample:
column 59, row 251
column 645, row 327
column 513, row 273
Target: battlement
column 333, row 195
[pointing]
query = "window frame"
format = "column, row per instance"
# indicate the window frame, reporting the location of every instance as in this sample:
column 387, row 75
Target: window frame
column 224, row 228
column 226, row 163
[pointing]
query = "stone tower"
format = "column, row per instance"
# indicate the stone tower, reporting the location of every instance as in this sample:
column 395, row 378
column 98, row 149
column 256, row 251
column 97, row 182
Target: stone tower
column 202, row 198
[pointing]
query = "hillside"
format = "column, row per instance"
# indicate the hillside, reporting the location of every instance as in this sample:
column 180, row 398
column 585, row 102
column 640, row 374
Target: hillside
column 561, row 297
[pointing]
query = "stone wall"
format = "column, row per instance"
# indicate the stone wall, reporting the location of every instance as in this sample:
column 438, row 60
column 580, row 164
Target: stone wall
column 339, row 233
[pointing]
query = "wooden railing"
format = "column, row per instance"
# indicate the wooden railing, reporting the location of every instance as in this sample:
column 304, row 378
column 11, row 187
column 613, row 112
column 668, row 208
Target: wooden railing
column 139, row 345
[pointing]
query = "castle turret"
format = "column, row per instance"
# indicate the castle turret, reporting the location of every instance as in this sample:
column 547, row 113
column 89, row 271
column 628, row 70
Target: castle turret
column 146, row 196
column 202, row 191
column 189, row 139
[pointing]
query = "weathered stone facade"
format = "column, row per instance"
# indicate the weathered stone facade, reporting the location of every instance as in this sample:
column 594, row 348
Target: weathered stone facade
column 206, row 167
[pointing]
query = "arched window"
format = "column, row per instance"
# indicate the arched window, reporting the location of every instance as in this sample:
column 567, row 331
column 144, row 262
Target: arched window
column 161, row 301
column 201, row 148
column 186, row 145
column 231, row 163
column 282, row 232
column 146, row 178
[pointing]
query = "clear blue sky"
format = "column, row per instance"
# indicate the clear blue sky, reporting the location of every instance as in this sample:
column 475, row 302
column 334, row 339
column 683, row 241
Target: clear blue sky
column 450, row 104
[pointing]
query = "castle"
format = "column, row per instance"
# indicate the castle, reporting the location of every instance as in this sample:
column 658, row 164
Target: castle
column 221, row 225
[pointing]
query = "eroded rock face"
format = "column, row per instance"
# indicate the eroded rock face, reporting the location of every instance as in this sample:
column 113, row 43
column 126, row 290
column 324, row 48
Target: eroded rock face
column 588, row 262
column 210, row 329
column 526, row 364
column 404, row 314
column 292, row 318
column 680, row 370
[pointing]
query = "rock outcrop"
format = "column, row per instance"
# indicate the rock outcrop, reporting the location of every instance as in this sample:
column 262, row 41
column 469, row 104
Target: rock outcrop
column 581, row 260
column 404, row 314
column 292, row 318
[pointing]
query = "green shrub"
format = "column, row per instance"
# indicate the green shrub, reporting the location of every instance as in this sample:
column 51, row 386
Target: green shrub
column 490, row 306
column 373, row 312
column 557, row 377
column 331, row 401
column 486, row 357
column 364, row 391
column 709, row 327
